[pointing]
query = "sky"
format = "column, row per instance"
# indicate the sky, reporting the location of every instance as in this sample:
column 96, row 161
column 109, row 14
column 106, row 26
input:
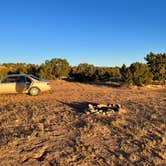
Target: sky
column 99, row 32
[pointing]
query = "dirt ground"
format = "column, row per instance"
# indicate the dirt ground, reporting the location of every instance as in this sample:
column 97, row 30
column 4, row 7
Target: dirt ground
column 53, row 128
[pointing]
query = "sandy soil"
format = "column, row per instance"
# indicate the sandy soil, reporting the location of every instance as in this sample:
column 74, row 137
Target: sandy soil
column 53, row 129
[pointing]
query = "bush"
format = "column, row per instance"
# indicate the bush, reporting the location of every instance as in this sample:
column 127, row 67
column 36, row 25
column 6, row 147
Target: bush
column 83, row 72
column 137, row 74
column 54, row 69
column 141, row 74
column 3, row 71
column 157, row 65
column 126, row 75
column 20, row 68
column 87, row 72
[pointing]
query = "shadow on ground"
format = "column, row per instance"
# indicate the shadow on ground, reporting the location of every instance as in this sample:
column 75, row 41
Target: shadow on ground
column 79, row 107
column 112, row 84
column 107, row 84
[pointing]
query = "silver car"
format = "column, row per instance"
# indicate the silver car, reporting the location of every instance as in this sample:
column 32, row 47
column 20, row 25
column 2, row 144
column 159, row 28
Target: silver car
column 23, row 83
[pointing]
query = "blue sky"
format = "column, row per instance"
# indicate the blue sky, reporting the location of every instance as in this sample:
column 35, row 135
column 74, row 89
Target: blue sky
column 100, row 32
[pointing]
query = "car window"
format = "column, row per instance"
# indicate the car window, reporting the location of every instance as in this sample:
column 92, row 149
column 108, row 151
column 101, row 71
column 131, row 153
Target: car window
column 28, row 80
column 36, row 78
column 21, row 79
column 10, row 80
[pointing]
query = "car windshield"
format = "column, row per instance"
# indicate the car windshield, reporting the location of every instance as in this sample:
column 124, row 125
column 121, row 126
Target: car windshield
column 36, row 78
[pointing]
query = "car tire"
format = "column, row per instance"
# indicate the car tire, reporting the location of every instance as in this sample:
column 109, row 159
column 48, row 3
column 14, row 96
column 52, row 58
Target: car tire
column 34, row 91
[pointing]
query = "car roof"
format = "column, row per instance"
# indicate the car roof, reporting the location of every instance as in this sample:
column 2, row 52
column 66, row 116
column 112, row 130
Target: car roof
column 15, row 75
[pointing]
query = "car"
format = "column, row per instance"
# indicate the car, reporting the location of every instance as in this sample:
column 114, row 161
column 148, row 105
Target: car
column 23, row 83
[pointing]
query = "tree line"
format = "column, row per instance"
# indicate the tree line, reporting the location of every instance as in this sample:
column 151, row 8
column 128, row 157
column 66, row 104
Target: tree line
column 143, row 74
column 136, row 74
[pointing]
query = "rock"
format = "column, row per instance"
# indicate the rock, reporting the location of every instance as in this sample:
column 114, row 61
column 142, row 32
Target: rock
column 100, row 111
column 116, row 108
column 108, row 109
column 93, row 111
column 90, row 106
column 110, row 105
column 101, row 105
column 104, row 113
column 118, row 105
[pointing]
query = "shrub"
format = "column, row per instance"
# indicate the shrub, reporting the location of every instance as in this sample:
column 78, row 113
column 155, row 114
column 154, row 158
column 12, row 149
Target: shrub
column 137, row 74
column 54, row 69
column 87, row 72
column 126, row 75
column 141, row 74
column 3, row 71
column 157, row 65
column 83, row 72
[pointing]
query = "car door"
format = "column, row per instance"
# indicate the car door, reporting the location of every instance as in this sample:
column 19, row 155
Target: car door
column 20, row 84
column 3, row 87
column 29, row 82
column 8, row 84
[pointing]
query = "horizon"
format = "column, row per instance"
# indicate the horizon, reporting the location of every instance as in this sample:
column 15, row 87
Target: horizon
column 103, row 33
column 143, row 61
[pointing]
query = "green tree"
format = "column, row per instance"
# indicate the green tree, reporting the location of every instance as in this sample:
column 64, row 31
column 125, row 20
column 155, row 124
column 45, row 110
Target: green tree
column 141, row 74
column 126, row 75
column 83, row 72
column 157, row 65
column 33, row 69
column 87, row 72
column 3, row 71
column 100, row 74
column 54, row 69
column 136, row 74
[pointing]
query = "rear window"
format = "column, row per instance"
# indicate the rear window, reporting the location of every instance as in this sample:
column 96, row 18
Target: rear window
column 10, row 79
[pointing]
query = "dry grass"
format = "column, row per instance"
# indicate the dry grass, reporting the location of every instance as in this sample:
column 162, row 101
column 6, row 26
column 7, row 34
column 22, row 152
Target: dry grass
column 52, row 129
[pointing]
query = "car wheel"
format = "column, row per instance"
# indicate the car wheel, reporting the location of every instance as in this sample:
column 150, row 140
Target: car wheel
column 34, row 91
